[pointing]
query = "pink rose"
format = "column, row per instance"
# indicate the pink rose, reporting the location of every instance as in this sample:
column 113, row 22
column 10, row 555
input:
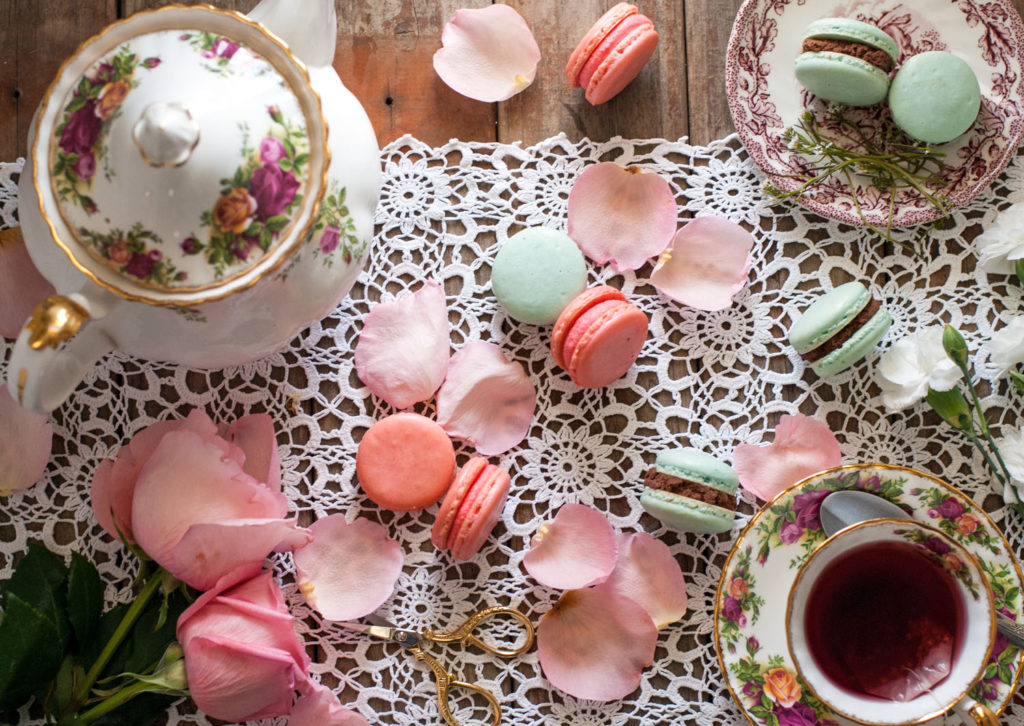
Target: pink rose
column 271, row 150
column 242, row 656
column 199, row 499
column 330, row 239
column 321, row 708
column 85, row 167
column 81, row 130
column 273, row 189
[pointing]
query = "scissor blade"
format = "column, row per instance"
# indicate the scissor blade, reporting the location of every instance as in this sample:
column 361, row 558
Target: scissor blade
column 374, row 631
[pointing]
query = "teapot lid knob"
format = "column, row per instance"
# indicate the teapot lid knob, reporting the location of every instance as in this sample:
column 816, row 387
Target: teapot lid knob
column 166, row 134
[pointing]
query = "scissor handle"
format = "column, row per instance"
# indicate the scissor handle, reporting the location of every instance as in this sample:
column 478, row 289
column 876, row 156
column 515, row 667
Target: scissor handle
column 446, row 681
column 464, row 633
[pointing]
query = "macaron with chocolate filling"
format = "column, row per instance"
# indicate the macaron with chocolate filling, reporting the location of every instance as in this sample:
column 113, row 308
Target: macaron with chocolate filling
column 846, row 61
column 691, row 491
column 839, row 329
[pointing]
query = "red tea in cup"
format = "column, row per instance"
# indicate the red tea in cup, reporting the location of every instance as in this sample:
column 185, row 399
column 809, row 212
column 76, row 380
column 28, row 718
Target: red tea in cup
column 885, row 619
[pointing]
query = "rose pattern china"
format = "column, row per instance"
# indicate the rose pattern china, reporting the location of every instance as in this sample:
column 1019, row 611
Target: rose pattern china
column 765, row 97
column 198, row 189
column 750, row 606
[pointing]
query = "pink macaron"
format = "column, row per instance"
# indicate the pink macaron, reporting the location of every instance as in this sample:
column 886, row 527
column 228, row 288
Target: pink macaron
column 405, row 462
column 598, row 336
column 471, row 508
column 612, row 53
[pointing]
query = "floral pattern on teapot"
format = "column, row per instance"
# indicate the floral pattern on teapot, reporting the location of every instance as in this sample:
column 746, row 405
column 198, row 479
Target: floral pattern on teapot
column 86, row 121
column 337, row 228
column 134, row 252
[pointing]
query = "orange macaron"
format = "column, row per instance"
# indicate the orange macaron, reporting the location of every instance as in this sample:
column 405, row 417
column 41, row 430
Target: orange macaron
column 598, row 336
column 612, row 53
column 471, row 508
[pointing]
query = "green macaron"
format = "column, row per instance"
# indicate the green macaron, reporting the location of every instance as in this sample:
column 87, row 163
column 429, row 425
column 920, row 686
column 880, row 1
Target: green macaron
column 691, row 491
column 934, row 97
column 839, row 328
column 536, row 273
column 846, row 61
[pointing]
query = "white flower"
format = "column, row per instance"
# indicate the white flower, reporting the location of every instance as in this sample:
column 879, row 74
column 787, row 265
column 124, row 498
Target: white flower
column 1007, row 344
column 914, row 364
column 1002, row 243
column 1011, row 447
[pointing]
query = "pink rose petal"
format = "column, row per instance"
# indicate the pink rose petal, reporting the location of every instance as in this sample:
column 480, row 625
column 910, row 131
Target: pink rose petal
column 623, row 215
column 320, row 707
column 25, row 440
column 21, row 285
column 402, row 353
column 488, row 54
column 595, row 643
column 802, row 446
column 575, row 549
column 706, row 265
column 486, row 399
column 647, row 573
column 349, row 569
column 254, row 435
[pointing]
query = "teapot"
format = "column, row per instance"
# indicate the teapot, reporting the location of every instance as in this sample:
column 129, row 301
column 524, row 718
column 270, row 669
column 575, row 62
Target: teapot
column 199, row 187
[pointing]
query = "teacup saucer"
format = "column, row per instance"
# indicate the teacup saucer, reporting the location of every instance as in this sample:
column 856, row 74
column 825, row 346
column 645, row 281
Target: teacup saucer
column 750, row 606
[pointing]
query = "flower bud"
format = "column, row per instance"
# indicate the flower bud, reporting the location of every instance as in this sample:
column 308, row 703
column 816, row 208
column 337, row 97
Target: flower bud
column 955, row 346
column 952, row 406
column 1018, row 381
column 1018, row 267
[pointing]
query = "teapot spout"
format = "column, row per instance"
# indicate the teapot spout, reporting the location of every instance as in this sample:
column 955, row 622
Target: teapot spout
column 308, row 27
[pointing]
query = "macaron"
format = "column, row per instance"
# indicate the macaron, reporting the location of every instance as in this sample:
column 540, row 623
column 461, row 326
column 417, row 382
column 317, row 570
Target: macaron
column 598, row 336
column 405, row 462
column 839, row 328
column 536, row 273
column 471, row 508
column 612, row 53
column 691, row 491
column 934, row 97
column 846, row 61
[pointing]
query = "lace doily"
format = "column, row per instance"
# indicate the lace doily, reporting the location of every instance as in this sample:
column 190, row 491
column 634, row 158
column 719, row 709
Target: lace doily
column 710, row 380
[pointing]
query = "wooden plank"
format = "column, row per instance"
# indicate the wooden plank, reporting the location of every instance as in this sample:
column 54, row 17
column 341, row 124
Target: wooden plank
column 708, row 24
column 384, row 56
column 35, row 39
column 134, row 6
column 653, row 105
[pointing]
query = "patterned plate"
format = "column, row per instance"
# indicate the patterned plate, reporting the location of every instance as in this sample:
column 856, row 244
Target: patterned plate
column 765, row 98
column 750, row 607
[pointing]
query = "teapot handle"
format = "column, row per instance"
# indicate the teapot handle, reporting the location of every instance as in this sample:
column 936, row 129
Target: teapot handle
column 43, row 371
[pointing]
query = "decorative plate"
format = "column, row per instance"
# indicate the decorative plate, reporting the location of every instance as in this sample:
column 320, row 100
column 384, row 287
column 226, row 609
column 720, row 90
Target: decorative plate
column 750, row 606
column 765, row 98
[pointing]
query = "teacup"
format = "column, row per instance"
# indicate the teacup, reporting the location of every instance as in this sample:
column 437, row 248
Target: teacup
column 891, row 621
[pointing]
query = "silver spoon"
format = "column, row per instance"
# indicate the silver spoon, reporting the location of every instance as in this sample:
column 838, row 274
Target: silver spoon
column 849, row 506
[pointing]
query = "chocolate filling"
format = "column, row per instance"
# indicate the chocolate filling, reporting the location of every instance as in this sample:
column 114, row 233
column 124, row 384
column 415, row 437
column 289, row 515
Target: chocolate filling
column 836, row 341
column 875, row 56
column 689, row 489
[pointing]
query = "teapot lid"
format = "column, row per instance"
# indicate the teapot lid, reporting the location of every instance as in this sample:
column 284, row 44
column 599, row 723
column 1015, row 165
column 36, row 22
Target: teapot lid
column 180, row 155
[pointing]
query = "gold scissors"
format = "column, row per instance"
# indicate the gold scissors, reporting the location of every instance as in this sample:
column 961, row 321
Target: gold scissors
column 413, row 641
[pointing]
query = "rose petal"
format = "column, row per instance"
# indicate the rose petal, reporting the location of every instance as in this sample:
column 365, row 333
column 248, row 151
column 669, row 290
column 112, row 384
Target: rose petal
column 488, row 54
column 486, row 399
column 349, row 569
column 402, row 353
column 647, row 573
column 622, row 215
column 25, row 440
column 595, row 643
column 255, row 436
column 577, row 548
column 209, row 550
column 802, row 446
column 320, row 707
column 21, row 285
column 706, row 265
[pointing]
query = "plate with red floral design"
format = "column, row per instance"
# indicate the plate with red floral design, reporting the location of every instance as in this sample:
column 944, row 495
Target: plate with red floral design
column 765, row 98
column 750, row 606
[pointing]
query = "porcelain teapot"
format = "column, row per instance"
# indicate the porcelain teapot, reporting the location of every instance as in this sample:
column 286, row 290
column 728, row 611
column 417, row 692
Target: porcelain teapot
column 200, row 186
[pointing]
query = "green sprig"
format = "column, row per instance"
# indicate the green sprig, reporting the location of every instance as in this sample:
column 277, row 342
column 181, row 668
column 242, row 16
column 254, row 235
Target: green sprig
column 889, row 160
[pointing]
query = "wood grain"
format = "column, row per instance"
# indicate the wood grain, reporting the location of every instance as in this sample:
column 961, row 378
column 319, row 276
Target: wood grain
column 708, row 25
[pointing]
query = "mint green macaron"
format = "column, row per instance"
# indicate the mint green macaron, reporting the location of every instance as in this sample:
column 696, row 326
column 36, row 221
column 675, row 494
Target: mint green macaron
column 690, row 491
column 536, row 273
column 846, row 61
column 839, row 329
column 934, row 97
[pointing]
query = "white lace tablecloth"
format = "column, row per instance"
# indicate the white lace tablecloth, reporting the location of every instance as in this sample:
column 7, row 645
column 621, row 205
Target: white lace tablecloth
column 710, row 380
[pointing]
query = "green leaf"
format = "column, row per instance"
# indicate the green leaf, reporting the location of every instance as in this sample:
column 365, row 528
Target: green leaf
column 143, row 710
column 148, row 642
column 32, row 652
column 301, row 159
column 990, row 671
column 277, row 222
column 85, row 598
column 1018, row 381
column 1018, row 268
column 77, row 103
column 63, row 687
column 71, row 720
column 103, row 632
column 289, row 148
column 40, row 581
column 953, row 408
